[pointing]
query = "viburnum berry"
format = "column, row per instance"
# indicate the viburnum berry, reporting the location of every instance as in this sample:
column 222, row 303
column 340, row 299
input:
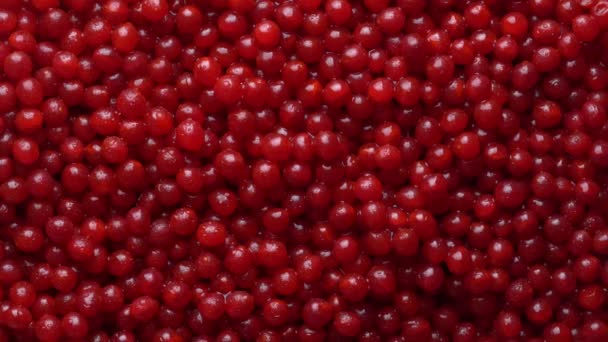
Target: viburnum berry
column 331, row 170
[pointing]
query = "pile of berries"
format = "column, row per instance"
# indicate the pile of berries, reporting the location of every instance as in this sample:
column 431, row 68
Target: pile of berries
column 304, row 170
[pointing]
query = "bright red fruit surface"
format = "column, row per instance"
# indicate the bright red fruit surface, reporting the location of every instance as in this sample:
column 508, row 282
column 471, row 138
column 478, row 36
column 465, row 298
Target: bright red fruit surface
column 304, row 170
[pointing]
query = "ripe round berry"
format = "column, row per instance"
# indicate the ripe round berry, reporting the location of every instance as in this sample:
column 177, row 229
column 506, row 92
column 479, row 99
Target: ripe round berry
column 306, row 170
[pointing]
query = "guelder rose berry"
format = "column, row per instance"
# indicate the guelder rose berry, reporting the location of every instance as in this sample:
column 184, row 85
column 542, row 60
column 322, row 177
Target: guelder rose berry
column 303, row 170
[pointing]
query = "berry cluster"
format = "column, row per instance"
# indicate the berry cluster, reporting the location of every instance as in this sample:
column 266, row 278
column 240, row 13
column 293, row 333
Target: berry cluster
column 303, row 170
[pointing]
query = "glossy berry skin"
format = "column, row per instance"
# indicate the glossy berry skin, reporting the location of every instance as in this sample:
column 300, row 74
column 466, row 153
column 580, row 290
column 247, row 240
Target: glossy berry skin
column 303, row 170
